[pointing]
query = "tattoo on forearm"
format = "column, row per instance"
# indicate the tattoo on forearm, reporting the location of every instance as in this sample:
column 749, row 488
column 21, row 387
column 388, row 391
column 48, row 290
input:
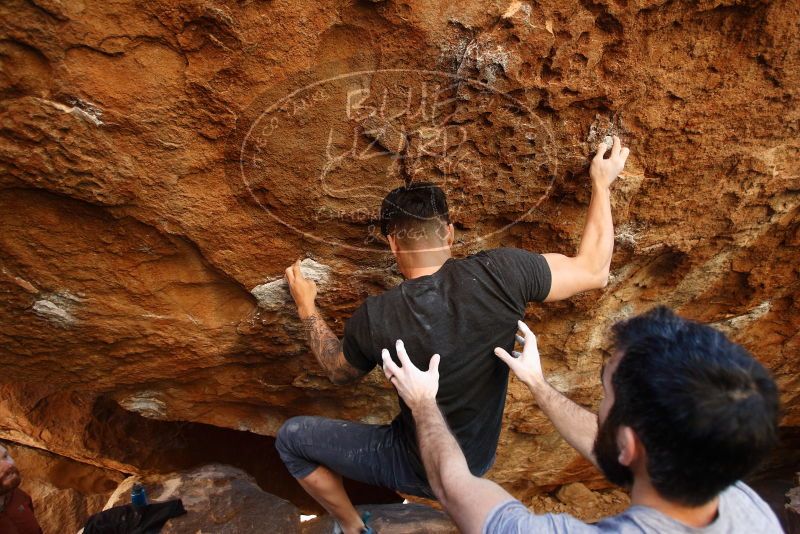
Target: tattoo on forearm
column 328, row 350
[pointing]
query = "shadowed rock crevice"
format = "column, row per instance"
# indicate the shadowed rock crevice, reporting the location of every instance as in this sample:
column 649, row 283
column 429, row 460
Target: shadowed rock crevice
column 164, row 446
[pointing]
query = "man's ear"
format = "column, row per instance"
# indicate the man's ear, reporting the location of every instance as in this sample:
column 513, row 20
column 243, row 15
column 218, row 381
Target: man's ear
column 630, row 448
column 392, row 244
column 451, row 234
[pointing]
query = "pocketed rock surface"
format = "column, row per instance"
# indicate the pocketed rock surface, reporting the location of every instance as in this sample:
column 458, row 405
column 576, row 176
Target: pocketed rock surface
column 162, row 162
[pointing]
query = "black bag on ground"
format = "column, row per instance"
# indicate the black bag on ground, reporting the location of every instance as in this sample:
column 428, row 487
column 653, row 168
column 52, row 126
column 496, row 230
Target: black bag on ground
column 126, row 519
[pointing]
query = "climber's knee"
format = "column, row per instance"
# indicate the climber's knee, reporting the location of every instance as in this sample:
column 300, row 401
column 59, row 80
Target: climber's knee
column 288, row 433
column 291, row 442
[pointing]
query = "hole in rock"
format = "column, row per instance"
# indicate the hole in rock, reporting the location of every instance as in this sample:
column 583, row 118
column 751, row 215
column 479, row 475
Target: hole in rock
column 608, row 23
column 167, row 446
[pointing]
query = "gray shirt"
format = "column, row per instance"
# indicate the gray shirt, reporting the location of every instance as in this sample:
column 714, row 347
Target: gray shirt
column 740, row 510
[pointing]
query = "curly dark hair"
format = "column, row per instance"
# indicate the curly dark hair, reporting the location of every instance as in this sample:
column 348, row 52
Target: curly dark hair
column 704, row 408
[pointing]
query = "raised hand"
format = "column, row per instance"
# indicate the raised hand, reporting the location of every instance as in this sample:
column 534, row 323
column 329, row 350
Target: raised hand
column 526, row 364
column 303, row 290
column 604, row 171
column 414, row 386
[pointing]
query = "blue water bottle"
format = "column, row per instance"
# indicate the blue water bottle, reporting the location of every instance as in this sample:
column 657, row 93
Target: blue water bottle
column 138, row 496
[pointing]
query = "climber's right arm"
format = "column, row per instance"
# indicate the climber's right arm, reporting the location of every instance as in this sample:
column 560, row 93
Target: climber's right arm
column 577, row 425
column 324, row 344
column 589, row 268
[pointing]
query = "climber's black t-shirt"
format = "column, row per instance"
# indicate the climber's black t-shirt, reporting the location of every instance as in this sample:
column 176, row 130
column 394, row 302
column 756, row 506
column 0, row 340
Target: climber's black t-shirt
column 462, row 312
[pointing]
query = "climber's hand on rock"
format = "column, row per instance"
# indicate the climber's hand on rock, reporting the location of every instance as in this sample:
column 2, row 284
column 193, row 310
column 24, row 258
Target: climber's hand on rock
column 303, row 290
column 526, row 364
column 414, row 386
column 604, row 171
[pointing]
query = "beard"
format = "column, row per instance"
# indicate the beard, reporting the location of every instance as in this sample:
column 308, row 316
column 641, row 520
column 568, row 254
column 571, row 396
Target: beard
column 9, row 482
column 606, row 451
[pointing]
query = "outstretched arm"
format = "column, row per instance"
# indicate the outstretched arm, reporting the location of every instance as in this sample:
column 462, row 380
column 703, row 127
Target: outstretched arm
column 324, row 343
column 590, row 267
column 467, row 498
column 576, row 425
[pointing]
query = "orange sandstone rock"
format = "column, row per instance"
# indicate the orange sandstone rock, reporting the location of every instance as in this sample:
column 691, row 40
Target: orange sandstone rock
column 162, row 162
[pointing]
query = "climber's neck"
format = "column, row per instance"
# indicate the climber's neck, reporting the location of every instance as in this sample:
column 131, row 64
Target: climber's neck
column 417, row 263
column 423, row 251
column 644, row 494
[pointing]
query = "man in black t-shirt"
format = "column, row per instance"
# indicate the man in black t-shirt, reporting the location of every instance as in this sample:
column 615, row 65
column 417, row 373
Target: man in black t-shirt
column 460, row 309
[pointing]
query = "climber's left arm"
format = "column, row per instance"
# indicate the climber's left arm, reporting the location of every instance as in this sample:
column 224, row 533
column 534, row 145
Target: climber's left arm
column 324, row 344
column 589, row 269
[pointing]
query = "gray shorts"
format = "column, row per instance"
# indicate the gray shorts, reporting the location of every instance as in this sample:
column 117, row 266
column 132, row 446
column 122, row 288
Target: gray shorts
column 373, row 454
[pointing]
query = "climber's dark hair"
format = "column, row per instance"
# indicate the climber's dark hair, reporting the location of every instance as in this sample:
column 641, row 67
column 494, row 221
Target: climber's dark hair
column 413, row 206
column 705, row 410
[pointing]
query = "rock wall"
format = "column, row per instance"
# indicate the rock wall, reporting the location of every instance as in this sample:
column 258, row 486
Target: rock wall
column 162, row 162
column 64, row 492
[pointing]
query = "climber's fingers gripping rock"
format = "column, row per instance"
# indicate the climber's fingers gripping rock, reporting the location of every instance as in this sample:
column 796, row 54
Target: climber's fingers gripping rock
column 303, row 290
column 605, row 171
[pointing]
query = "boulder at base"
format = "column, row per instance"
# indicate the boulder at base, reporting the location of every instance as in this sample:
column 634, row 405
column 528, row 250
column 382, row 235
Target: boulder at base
column 394, row 519
column 218, row 498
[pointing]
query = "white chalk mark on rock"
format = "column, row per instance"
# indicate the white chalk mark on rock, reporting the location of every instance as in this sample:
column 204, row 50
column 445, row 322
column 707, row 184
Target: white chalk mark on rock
column 627, row 234
column 734, row 324
column 57, row 308
column 50, row 310
column 91, row 114
column 274, row 294
column 145, row 403
column 155, row 316
column 512, row 9
column 488, row 59
column 602, row 131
